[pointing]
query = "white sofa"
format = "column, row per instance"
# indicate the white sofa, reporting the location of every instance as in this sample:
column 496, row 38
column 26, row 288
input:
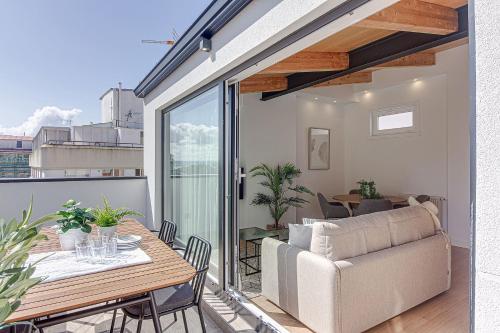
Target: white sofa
column 359, row 271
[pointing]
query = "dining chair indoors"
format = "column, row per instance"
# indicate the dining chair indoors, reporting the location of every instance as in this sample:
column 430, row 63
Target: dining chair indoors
column 181, row 297
column 354, row 191
column 331, row 211
column 368, row 206
column 423, row 198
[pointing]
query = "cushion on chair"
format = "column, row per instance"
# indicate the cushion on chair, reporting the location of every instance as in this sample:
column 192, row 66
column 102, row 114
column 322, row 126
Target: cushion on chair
column 166, row 300
column 300, row 235
column 368, row 233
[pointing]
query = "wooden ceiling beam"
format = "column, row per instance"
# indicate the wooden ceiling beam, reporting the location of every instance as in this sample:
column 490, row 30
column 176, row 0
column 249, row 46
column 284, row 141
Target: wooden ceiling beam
column 358, row 77
column 417, row 59
column 414, row 16
column 259, row 83
column 307, row 61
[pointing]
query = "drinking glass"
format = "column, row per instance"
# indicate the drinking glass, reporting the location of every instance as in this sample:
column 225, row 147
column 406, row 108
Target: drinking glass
column 97, row 250
column 111, row 247
column 82, row 250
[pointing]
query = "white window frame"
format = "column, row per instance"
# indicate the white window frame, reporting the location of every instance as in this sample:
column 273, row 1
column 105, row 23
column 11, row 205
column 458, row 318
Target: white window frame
column 376, row 114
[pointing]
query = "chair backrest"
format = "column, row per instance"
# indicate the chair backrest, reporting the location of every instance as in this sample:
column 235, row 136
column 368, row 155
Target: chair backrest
column 197, row 253
column 323, row 204
column 367, row 206
column 167, row 232
column 354, row 191
column 331, row 211
column 423, row 198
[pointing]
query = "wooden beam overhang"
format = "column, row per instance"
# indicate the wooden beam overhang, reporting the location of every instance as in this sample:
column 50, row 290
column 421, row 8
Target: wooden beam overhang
column 260, row 83
column 414, row 16
column 412, row 60
column 307, row 61
column 359, row 77
column 384, row 50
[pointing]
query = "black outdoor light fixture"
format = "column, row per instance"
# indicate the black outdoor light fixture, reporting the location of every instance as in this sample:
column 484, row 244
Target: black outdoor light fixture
column 205, row 44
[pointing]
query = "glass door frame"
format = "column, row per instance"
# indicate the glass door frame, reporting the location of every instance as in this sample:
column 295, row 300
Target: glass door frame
column 215, row 285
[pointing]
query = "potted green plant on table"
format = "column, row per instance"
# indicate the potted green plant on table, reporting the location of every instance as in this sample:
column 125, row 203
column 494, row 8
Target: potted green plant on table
column 107, row 218
column 73, row 224
column 367, row 190
column 17, row 238
column 279, row 181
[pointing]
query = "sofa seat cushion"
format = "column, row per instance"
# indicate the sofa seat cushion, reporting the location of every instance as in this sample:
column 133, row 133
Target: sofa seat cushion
column 356, row 236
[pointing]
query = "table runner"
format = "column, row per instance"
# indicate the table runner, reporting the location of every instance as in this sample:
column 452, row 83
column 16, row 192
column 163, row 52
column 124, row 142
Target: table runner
column 60, row 265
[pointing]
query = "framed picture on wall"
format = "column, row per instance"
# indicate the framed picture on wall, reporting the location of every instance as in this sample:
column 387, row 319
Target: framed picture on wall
column 319, row 148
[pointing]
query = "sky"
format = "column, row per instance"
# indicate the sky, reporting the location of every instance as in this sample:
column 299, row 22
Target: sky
column 57, row 57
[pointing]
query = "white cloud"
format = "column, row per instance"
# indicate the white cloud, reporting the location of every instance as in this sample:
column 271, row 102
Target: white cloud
column 45, row 116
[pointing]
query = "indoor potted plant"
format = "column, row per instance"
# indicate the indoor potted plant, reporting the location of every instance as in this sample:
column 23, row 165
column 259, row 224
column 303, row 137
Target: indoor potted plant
column 107, row 218
column 74, row 224
column 17, row 238
column 279, row 181
column 367, row 190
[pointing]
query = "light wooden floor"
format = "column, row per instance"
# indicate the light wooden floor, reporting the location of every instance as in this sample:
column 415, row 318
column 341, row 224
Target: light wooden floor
column 446, row 313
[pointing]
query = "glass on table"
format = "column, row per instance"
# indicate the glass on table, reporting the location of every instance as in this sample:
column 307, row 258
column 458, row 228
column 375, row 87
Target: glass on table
column 82, row 250
column 97, row 249
column 111, row 245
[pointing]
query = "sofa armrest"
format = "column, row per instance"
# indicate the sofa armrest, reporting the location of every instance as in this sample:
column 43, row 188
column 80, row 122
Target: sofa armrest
column 302, row 283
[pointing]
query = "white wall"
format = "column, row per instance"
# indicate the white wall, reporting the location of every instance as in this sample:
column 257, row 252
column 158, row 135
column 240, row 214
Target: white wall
column 436, row 161
column 486, row 289
column 260, row 25
column 275, row 132
column 268, row 135
column 48, row 196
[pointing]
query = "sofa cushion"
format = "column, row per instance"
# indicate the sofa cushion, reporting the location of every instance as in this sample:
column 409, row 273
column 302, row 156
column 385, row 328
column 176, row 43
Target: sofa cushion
column 300, row 235
column 410, row 224
column 355, row 236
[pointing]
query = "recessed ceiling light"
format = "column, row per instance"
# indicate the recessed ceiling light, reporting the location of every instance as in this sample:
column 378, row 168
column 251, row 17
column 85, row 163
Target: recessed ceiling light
column 334, row 101
column 315, row 98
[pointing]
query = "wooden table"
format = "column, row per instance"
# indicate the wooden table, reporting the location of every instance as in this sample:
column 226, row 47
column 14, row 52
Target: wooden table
column 356, row 198
column 93, row 290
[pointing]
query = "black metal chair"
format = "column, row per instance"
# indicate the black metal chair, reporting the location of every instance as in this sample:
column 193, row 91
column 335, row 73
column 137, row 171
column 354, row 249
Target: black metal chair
column 331, row 211
column 368, row 206
column 181, row 297
column 167, row 232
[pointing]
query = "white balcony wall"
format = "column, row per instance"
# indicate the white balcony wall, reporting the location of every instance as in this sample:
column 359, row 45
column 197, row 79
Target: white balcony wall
column 48, row 196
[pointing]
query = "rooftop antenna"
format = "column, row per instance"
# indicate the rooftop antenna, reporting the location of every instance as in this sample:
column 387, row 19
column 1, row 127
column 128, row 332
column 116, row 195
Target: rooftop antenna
column 169, row 42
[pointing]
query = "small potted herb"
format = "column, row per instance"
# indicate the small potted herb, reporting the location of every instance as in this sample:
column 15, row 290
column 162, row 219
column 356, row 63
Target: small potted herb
column 74, row 224
column 107, row 218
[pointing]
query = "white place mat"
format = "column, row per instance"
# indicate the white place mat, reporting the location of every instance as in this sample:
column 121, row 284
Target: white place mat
column 62, row 264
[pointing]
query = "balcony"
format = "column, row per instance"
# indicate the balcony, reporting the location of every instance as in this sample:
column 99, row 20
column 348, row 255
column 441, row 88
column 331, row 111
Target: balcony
column 130, row 192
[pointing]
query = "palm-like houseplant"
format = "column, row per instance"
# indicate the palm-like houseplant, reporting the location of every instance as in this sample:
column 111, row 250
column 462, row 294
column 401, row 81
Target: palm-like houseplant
column 107, row 218
column 17, row 238
column 279, row 180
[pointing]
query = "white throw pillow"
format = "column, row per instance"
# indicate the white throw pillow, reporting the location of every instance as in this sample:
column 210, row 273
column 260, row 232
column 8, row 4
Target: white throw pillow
column 300, row 236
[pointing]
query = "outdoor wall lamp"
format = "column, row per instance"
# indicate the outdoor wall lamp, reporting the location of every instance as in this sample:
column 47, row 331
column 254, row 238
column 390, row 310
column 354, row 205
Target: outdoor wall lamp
column 205, row 44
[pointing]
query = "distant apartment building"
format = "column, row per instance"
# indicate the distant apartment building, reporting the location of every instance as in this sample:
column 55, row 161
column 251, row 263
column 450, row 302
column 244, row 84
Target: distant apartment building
column 111, row 148
column 14, row 156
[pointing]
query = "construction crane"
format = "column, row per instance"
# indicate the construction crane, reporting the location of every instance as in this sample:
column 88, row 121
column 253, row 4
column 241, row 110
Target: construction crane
column 168, row 42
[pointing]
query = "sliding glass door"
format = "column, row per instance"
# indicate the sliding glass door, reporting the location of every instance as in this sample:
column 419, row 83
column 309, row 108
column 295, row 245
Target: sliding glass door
column 193, row 171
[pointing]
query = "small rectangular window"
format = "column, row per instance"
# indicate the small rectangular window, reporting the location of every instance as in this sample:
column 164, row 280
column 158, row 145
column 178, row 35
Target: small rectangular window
column 19, row 144
column 394, row 120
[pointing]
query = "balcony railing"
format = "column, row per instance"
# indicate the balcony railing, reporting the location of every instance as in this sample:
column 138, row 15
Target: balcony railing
column 93, row 144
column 50, row 193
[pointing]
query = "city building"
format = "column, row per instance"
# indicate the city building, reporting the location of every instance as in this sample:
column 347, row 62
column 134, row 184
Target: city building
column 112, row 148
column 14, row 156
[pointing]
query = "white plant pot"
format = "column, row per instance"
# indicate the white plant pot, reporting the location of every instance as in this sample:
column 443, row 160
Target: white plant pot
column 107, row 231
column 68, row 238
